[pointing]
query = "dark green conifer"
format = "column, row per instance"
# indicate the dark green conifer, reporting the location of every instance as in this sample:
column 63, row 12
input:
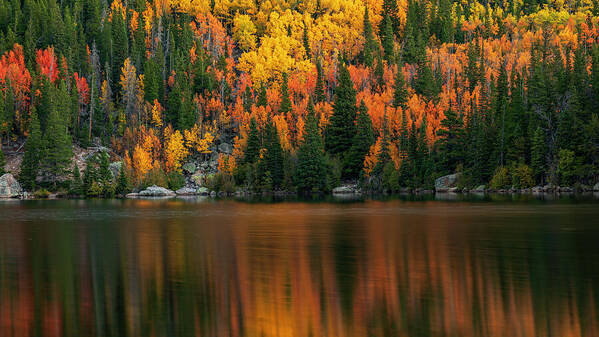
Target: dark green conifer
column 342, row 128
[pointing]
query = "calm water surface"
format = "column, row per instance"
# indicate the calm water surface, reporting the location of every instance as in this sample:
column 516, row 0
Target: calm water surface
column 228, row 268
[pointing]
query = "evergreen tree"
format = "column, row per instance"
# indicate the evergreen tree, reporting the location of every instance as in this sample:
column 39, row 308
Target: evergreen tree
column 262, row 100
column 273, row 157
column 387, row 41
column 123, row 186
column 451, row 142
column 76, row 187
column 360, row 145
column 400, row 92
column 319, row 94
column 119, row 46
column 285, row 106
column 369, row 41
column 310, row 157
column 383, row 156
column 30, row 165
column 306, row 42
column 341, row 128
column 252, row 150
column 538, row 153
column 57, row 140
column 104, row 174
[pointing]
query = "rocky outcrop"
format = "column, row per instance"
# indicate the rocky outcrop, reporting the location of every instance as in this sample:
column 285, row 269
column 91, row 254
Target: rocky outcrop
column 10, row 187
column 225, row 148
column 186, row 191
column 479, row 189
column 189, row 168
column 346, row 189
column 203, row 191
column 443, row 184
column 156, row 191
column 596, row 187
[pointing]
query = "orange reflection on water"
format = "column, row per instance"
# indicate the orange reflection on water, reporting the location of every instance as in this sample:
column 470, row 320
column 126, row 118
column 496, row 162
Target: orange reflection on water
column 298, row 270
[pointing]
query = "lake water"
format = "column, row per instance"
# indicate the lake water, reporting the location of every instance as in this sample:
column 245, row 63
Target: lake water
column 358, row 268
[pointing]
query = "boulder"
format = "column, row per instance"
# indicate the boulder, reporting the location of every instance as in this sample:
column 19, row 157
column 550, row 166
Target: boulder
column 454, row 190
column 537, row 189
column 132, row 195
column 156, row 191
column 566, row 189
column 115, row 168
column 186, row 191
column 447, row 182
column 213, row 194
column 203, row 191
column 479, row 189
column 9, row 187
column 346, row 189
column 225, row 148
column 596, row 187
column 189, row 167
column 548, row 188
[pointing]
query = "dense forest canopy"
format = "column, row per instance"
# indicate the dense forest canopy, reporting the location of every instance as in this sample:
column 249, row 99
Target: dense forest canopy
column 391, row 93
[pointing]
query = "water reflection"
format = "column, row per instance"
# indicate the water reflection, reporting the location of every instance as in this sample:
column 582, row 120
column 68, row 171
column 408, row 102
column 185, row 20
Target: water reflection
column 172, row 268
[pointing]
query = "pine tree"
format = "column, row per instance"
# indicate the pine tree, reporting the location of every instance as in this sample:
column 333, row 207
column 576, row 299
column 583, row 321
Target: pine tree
column 310, row 170
column 306, row 42
column 369, row 42
column 360, row 144
column 285, row 106
column 76, row 187
column 379, row 73
column 383, row 156
column 400, row 92
column 104, row 173
column 388, row 39
column 262, row 100
column 538, row 153
column 120, row 45
column 123, row 186
column 252, row 150
column 319, row 95
column 273, row 157
column 57, row 157
column 341, row 128
column 30, row 165
column 451, row 142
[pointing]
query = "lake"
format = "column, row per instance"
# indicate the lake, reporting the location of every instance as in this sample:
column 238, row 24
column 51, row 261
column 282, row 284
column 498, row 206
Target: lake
column 202, row 267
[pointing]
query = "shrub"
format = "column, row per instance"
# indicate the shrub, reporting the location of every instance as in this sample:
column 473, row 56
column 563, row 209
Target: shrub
column 333, row 172
column 42, row 193
column 155, row 176
column 220, row 182
column 175, row 180
column 522, row 176
column 501, row 178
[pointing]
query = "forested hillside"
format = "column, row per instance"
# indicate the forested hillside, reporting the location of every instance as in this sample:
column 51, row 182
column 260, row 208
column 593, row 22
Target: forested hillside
column 389, row 93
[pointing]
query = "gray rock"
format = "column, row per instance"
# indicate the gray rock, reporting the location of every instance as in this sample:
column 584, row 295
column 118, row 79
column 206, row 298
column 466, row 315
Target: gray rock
column 132, row 195
column 447, row 181
column 454, row 190
column 156, row 191
column 222, row 194
column 189, row 167
column 115, row 168
column 225, row 148
column 548, row 188
column 346, row 189
column 9, row 187
column 479, row 189
column 213, row 194
column 596, row 187
column 186, row 191
column 203, row 191
column 566, row 189
column 537, row 189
